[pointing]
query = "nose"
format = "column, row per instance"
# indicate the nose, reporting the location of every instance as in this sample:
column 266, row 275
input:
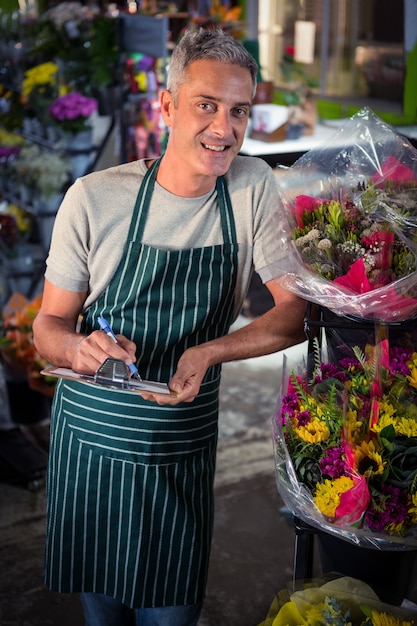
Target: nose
column 222, row 124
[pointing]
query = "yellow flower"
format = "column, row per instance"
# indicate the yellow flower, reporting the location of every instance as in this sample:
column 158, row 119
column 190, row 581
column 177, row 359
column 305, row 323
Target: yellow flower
column 413, row 509
column 384, row 619
column 395, row 529
column 386, row 418
column 385, row 408
column 412, row 378
column 43, row 74
column 23, row 220
column 406, row 426
column 353, row 426
column 313, row 432
column 327, row 496
column 413, row 360
column 368, row 459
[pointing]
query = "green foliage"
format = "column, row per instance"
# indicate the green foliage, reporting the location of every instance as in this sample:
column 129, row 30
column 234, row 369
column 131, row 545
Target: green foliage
column 103, row 52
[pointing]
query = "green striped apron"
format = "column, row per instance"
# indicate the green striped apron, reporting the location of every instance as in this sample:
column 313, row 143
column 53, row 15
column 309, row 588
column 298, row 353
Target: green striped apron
column 130, row 483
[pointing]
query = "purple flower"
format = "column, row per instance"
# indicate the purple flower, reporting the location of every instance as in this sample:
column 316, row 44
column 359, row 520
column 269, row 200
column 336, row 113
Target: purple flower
column 398, row 360
column 289, row 404
column 333, row 463
column 388, row 507
column 303, row 418
column 349, row 362
column 72, row 110
column 8, row 152
column 330, row 370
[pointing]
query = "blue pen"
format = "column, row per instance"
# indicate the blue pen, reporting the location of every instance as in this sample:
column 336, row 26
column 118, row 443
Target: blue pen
column 108, row 330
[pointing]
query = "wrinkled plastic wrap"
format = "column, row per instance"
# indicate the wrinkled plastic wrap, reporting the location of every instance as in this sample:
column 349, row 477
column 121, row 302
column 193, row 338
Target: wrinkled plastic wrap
column 337, row 601
column 297, row 496
column 371, row 167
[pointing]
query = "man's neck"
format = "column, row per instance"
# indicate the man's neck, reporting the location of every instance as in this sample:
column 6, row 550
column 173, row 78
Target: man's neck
column 177, row 181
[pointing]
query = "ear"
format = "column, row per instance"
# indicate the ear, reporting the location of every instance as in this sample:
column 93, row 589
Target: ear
column 167, row 106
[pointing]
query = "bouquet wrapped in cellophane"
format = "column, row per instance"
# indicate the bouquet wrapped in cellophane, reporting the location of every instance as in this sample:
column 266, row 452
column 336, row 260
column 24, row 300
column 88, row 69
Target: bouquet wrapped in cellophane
column 343, row 601
column 345, row 429
column 351, row 236
column 345, row 437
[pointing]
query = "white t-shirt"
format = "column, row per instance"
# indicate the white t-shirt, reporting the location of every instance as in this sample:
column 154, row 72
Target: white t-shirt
column 93, row 220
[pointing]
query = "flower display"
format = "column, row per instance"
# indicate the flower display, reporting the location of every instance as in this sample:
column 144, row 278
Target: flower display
column 343, row 601
column 17, row 350
column 349, row 435
column 39, row 77
column 73, row 111
column 43, row 171
column 352, row 231
column 15, row 227
column 39, row 88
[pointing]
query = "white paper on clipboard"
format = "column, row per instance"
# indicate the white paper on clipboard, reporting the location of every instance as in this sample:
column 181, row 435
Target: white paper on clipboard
column 124, row 384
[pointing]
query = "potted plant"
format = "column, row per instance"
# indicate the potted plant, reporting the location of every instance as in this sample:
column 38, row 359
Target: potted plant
column 39, row 88
column 42, row 172
column 72, row 114
column 24, row 172
column 103, row 63
column 54, row 174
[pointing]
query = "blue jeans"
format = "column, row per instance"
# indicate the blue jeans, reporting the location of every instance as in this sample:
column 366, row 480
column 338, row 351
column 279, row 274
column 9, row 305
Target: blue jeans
column 101, row 610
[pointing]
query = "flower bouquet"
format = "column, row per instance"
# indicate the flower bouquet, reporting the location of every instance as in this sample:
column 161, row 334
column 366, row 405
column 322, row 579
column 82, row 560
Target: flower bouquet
column 342, row 601
column 351, row 235
column 346, row 446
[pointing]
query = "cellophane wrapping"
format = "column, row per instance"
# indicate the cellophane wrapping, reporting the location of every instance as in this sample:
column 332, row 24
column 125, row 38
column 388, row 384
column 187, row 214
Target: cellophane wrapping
column 345, row 442
column 350, row 235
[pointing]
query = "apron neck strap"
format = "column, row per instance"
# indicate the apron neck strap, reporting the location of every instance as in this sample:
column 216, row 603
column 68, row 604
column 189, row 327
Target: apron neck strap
column 143, row 201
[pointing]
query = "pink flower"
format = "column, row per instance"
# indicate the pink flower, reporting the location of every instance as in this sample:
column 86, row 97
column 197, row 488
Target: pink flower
column 393, row 169
column 305, row 203
column 355, row 279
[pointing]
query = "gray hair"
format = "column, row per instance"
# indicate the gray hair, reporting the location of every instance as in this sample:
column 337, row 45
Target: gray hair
column 214, row 45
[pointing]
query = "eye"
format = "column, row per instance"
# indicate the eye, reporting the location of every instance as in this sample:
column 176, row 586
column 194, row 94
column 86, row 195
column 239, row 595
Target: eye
column 207, row 106
column 240, row 112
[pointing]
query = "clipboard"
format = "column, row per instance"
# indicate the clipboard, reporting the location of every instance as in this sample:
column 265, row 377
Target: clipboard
column 112, row 374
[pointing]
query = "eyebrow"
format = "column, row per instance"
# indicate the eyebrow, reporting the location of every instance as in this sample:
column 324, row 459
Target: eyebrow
column 214, row 99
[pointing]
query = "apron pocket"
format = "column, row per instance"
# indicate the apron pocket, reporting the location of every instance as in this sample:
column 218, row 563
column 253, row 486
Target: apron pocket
column 127, row 428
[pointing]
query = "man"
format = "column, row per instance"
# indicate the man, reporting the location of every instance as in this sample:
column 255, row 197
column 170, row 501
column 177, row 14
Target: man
column 130, row 483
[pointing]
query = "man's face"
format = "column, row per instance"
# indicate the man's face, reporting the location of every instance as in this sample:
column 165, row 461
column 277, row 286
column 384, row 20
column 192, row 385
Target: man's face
column 208, row 121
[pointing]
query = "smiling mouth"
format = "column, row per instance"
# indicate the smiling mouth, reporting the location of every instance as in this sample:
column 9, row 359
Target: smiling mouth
column 215, row 148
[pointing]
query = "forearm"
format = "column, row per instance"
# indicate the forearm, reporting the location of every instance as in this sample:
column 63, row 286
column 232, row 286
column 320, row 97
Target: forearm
column 56, row 339
column 271, row 332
